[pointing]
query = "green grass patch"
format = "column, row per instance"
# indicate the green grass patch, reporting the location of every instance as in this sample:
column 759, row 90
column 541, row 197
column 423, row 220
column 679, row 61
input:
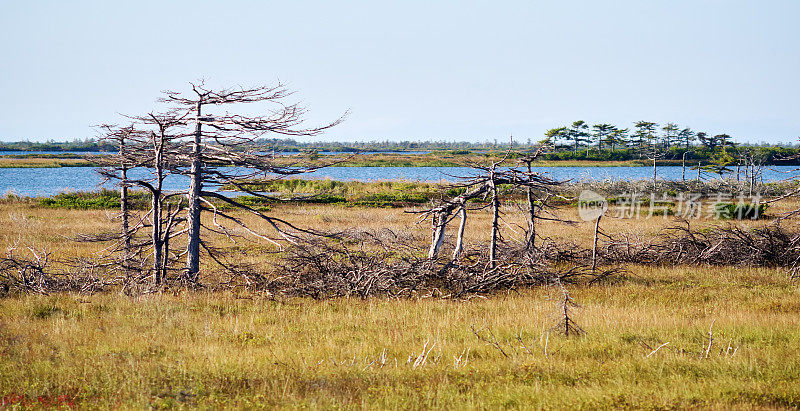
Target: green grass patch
column 95, row 200
column 740, row 211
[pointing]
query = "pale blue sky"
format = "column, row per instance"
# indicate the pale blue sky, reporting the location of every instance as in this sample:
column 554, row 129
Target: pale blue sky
column 412, row 70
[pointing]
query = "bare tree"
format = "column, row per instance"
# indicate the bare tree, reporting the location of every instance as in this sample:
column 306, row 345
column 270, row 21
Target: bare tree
column 222, row 154
column 122, row 138
column 152, row 146
column 485, row 187
column 533, row 204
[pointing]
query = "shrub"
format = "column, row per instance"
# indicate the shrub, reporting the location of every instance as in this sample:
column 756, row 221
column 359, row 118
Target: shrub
column 739, row 211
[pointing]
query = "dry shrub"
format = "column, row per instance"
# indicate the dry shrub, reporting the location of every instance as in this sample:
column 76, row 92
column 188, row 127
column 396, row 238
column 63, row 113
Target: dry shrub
column 29, row 270
column 385, row 263
column 769, row 246
column 612, row 187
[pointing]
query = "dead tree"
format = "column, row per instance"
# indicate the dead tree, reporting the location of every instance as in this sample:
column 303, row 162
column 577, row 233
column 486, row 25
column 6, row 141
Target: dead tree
column 485, row 186
column 530, row 237
column 221, row 154
column 683, row 166
column 654, row 154
column 150, row 147
column 122, row 138
column 566, row 323
column 754, row 160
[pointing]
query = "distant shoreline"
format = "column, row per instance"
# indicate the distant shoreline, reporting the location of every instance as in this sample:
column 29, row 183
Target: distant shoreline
column 434, row 159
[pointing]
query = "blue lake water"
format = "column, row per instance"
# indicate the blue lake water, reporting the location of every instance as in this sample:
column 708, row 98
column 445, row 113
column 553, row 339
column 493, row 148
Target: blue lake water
column 51, row 181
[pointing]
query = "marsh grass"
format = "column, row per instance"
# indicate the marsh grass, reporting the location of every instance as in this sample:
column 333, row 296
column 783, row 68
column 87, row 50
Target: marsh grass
column 47, row 162
column 242, row 349
column 214, row 350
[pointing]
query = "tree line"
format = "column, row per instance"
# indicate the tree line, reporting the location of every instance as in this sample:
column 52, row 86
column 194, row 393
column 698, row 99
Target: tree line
column 642, row 136
column 580, row 135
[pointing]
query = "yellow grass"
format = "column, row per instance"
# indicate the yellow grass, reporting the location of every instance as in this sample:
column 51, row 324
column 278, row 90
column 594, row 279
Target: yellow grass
column 242, row 350
column 10, row 162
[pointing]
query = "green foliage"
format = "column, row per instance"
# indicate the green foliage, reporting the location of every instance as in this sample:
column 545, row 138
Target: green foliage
column 95, row 200
column 88, row 144
column 83, row 201
column 593, row 155
column 389, row 199
column 41, row 312
column 659, row 212
column 740, row 211
column 457, row 191
column 256, row 203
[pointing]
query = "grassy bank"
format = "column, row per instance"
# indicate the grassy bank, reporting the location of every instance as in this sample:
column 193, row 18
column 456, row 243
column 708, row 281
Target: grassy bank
column 404, row 193
column 43, row 162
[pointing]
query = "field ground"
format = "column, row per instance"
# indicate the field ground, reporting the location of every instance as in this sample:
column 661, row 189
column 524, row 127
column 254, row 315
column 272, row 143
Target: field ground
column 655, row 337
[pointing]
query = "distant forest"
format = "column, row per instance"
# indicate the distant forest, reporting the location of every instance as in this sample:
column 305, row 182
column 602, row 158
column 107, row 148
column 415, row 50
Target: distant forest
column 577, row 141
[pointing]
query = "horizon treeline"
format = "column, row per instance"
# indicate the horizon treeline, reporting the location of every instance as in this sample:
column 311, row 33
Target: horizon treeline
column 643, row 135
column 574, row 137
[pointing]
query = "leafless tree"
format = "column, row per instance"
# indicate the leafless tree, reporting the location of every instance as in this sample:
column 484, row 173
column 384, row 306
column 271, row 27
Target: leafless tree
column 153, row 144
column 533, row 204
column 485, row 186
column 221, row 154
column 214, row 149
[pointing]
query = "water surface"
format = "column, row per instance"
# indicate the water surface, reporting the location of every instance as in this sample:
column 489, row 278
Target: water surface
column 51, row 181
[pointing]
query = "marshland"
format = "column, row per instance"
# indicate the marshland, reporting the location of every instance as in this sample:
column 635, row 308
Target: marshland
column 207, row 271
column 400, row 205
column 682, row 333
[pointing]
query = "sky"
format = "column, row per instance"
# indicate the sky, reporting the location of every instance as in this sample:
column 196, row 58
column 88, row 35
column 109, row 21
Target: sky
column 412, row 70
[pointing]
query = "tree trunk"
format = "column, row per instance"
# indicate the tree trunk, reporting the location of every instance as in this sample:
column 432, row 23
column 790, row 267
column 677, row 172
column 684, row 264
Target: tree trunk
column 683, row 167
column 193, row 214
column 495, row 223
column 460, row 239
column 158, row 262
column 165, row 244
column 439, row 225
column 594, row 246
column 156, row 237
column 746, row 171
column 654, row 173
column 531, row 240
column 124, row 214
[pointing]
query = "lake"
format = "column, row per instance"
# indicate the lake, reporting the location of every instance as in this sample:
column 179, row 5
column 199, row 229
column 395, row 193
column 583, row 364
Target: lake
column 51, row 181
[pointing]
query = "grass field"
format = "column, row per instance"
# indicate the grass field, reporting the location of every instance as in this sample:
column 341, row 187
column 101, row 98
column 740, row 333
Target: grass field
column 655, row 337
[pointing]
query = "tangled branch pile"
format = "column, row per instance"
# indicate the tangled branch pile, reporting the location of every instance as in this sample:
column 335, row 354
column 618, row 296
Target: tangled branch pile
column 30, row 271
column 385, row 263
column 769, row 246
